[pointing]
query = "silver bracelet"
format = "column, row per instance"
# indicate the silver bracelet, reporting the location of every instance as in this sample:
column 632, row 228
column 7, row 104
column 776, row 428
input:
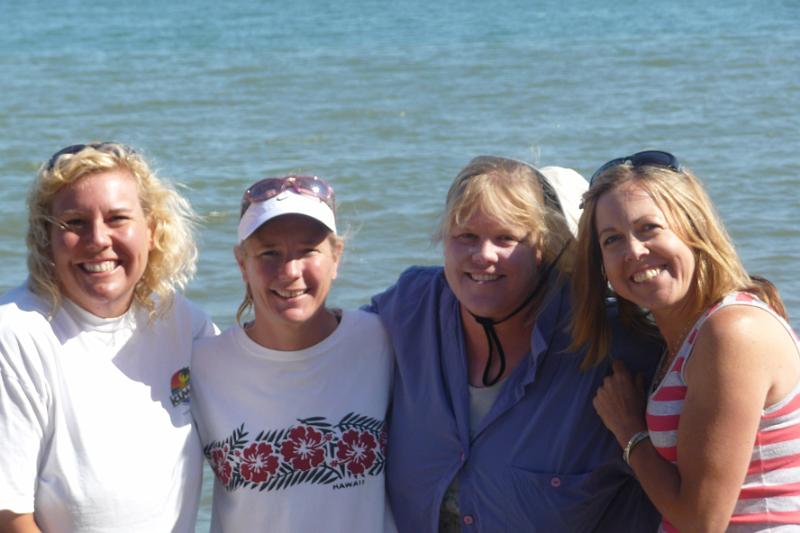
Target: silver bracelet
column 636, row 439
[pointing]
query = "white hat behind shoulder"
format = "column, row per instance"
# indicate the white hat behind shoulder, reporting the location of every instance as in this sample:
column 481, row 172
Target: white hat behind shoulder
column 569, row 186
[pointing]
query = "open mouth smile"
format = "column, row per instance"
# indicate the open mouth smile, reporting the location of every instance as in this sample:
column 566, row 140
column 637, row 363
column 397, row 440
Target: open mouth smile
column 646, row 275
column 99, row 266
column 483, row 277
column 290, row 294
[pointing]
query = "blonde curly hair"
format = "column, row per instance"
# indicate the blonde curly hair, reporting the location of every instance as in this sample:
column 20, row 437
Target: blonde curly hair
column 172, row 260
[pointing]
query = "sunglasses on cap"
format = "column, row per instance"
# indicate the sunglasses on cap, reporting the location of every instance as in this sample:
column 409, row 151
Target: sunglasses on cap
column 648, row 158
column 312, row 186
column 75, row 148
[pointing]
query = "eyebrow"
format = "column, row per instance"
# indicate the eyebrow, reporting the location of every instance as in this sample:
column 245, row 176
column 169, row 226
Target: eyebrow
column 636, row 221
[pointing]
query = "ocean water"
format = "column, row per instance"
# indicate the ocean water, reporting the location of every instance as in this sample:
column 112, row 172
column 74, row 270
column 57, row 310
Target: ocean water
column 388, row 100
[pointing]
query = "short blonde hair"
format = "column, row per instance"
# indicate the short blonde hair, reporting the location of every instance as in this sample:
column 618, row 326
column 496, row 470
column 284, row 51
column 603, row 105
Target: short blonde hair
column 172, row 260
column 691, row 215
column 516, row 194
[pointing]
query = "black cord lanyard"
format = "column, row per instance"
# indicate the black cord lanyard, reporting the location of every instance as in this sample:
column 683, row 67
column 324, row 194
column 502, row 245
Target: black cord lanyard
column 491, row 335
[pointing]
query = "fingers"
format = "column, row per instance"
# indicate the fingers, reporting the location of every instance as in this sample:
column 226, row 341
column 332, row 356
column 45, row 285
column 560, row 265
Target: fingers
column 620, row 402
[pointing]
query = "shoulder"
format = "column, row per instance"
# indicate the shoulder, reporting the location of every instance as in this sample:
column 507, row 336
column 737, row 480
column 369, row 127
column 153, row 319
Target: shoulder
column 363, row 333
column 209, row 350
column 361, row 324
column 22, row 313
column 414, row 286
column 20, row 301
column 738, row 321
column 416, row 279
column 743, row 344
column 213, row 343
column 28, row 343
column 734, row 330
column 362, row 319
column 186, row 313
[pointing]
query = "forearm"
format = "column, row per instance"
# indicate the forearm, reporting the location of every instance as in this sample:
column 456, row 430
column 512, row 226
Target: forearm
column 11, row 522
column 661, row 480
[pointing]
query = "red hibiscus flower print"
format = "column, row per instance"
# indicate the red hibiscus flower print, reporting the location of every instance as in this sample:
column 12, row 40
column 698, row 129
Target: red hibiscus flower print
column 218, row 458
column 357, row 450
column 304, row 448
column 258, row 462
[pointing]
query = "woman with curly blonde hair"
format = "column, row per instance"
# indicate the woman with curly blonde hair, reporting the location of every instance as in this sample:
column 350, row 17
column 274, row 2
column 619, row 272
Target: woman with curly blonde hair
column 94, row 352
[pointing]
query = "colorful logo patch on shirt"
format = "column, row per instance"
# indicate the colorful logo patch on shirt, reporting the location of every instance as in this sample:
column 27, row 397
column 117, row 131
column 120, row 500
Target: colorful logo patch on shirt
column 180, row 387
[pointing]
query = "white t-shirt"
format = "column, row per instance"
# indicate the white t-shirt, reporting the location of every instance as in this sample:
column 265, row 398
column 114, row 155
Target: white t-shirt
column 296, row 439
column 95, row 425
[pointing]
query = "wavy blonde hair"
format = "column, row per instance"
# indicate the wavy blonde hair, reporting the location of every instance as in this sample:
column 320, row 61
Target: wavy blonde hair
column 171, row 262
column 516, row 194
column 691, row 215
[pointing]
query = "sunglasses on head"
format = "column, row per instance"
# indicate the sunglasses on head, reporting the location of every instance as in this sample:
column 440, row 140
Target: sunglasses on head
column 75, row 148
column 648, row 158
column 312, row 186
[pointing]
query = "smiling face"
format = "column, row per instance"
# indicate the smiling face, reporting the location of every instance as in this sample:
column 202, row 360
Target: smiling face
column 100, row 241
column 645, row 261
column 490, row 265
column 289, row 264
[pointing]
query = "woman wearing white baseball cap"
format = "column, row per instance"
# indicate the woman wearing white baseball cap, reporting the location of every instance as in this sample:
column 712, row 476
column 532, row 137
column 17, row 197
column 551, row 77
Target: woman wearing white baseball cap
column 290, row 406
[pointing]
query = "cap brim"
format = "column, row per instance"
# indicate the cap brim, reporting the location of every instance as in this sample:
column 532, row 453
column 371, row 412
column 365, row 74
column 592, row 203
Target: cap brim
column 286, row 203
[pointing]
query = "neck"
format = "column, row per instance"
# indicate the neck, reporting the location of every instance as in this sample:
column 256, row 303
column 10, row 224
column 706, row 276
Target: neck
column 291, row 336
column 514, row 334
column 674, row 328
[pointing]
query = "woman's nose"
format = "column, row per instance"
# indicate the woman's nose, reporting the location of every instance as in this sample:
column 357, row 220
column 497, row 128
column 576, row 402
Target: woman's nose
column 99, row 234
column 635, row 249
column 484, row 252
column 291, row 269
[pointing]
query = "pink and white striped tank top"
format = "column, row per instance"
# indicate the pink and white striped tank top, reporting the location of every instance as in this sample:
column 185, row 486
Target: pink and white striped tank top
column 770, row 496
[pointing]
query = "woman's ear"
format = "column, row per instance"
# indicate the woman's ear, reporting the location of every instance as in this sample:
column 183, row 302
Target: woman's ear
column 338, row 250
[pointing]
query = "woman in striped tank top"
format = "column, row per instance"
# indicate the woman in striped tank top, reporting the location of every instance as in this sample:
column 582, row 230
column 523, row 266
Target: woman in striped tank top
column 716, row 443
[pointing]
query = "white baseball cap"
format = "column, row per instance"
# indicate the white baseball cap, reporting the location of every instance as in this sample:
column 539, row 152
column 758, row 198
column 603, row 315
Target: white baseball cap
column 292, row 198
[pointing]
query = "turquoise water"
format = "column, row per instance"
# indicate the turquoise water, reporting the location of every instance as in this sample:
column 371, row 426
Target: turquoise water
column 390, row 99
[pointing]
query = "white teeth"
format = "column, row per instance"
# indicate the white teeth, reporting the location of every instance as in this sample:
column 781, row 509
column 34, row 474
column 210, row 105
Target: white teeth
column 290, row 294
column 645, row 275
column 105, row 266
column 483, row 277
